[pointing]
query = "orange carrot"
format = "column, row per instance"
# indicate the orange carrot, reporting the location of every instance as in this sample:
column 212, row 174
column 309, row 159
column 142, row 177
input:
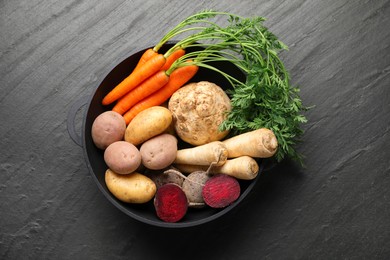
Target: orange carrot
column 135, row 78
column 147, row 55
column 149, row 86
column 172, row 58
column 177, row 79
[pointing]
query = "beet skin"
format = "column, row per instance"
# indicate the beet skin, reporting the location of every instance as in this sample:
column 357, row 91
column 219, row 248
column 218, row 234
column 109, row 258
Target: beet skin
column 171, row 203
column 220, row 191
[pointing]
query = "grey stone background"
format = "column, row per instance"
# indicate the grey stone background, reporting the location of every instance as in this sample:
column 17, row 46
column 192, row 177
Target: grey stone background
column 338, row 207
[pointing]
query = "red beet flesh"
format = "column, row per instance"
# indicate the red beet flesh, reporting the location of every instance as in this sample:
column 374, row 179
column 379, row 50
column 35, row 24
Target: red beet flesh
column 221, row 191
column 170, row 203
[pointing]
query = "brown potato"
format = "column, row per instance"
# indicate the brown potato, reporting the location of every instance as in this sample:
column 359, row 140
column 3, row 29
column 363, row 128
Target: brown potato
column 108, row 127
column 122, row 157
column 130, row 188
column 159, row 152
column 147, row 124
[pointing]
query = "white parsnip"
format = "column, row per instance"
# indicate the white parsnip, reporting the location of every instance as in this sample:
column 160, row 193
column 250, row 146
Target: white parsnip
column 260, row 143
column 213, row 152
column 243, row 168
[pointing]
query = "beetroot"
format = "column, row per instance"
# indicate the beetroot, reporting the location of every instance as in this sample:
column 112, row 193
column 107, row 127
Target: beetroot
column 220, row 191
column 168, row 176
column 170, row 202
column 193, row 186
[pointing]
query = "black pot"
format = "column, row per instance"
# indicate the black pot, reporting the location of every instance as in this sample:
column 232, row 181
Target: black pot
column 94, row 156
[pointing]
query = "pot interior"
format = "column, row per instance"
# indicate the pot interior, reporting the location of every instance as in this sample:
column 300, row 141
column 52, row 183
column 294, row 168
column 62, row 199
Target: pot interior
column 94, row 156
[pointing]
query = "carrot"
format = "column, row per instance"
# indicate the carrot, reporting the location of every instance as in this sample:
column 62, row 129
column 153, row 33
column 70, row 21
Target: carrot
column 135, row 78
column 177, row 79
column 173, row 57
column 213, row 152
column 147, row 87
column 150, row 85
column 260, row 143
column 243, row 168
column 147, row 55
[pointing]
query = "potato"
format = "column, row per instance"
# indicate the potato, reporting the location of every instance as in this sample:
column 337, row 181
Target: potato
column 130, row 188
column 108, row 127
column 122, row 157
column 159, row 152
column 147, row 124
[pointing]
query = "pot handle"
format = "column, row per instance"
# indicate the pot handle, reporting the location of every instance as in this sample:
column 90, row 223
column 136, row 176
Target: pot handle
column 70, row 121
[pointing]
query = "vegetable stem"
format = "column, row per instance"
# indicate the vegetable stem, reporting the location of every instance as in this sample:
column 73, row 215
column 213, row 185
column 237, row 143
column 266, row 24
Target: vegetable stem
column 265, row 99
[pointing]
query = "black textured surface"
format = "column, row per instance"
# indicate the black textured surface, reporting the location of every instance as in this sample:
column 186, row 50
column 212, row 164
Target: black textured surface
column 52, row 53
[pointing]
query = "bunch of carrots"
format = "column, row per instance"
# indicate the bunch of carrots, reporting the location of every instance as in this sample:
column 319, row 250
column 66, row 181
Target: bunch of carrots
column 151, row 83
column 157, row 76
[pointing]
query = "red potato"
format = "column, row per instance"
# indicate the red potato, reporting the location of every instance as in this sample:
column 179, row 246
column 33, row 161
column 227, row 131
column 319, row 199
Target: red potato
column 159, row 152
column 122, row 157
column 108, row 127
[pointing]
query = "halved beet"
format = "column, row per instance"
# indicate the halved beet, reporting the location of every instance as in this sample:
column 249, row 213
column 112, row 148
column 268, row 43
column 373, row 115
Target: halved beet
column 171, row 203
column 220, row 191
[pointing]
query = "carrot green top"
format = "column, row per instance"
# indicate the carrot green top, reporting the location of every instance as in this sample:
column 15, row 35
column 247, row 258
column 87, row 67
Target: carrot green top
column 266, row 98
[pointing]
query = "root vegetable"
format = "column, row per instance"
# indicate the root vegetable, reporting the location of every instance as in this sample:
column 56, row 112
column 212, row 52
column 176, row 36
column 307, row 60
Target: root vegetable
column 159, row 152
column 130, row 188
column 147, row 55
column 122, row 157
column 170, row 203
column 193, row 186
column 146, row 88
column 143, row 72
column 243, row 168
column 260, row 143
column 108, row 127
column 165, row 177
column 177, row 78
column 214, row 152
column 147, row 124
column 220, row 191
column 172, row 57
column 199, row 109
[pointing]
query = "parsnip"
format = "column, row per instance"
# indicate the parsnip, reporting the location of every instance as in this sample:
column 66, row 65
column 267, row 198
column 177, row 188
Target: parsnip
column 213, row 152
column 260, row 143
column 243, row 168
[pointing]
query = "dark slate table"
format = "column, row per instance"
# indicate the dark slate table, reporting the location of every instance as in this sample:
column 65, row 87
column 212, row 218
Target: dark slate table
column 337, row 207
